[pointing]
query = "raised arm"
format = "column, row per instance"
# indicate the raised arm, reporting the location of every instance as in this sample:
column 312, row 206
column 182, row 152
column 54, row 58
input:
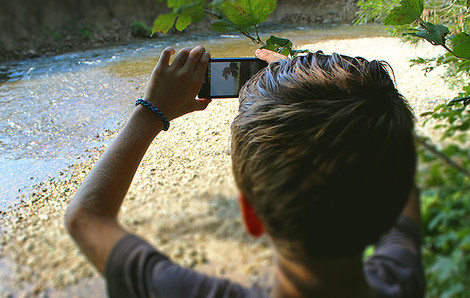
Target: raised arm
column 91, row 217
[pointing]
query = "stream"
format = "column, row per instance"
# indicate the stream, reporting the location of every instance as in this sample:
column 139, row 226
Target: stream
column 54, row 110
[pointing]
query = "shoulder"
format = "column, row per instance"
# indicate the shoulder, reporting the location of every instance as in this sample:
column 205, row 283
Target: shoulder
column 136, row 269
column 395, row 269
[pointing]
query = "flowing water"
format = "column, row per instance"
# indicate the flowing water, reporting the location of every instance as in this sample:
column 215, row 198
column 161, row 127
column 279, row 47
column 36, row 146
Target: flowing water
column 53, row 110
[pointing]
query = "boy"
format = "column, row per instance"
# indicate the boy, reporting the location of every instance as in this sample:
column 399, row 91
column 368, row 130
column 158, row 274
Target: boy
column 323, row 155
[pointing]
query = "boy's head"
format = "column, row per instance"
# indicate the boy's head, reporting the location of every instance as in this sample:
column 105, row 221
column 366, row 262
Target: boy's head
column 323, row 150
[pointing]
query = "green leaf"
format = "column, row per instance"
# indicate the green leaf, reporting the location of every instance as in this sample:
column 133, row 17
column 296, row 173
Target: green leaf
column 408, row 12
column 183, row 22
column 461, row 45
column 176, row 4
column 224, row 25
column 194, row 10
column 187, row 11
column 279, row 45
column 220, row 26
column 164, row 22
column 282, row 46
column 435, row 34
column 248, row 13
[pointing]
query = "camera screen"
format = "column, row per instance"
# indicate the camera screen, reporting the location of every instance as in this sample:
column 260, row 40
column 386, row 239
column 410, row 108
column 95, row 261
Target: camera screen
column 227, row 77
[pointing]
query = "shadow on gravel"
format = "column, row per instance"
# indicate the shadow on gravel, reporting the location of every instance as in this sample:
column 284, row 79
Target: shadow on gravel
column 222, row 221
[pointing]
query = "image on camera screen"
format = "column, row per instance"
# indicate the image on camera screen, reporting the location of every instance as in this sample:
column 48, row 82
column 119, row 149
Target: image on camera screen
column 225, row 79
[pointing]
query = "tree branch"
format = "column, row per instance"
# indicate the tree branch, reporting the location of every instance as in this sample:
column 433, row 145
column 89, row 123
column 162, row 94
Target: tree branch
column 254, row 40
column 257, row 36
column 433, row 149
column 212, row 15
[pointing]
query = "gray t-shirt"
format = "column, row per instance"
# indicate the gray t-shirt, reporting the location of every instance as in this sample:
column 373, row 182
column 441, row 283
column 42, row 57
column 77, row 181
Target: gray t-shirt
column 136, row 269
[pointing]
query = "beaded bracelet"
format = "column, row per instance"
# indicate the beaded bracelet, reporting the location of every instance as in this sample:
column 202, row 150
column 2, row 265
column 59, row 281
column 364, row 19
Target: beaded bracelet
column 148, row 105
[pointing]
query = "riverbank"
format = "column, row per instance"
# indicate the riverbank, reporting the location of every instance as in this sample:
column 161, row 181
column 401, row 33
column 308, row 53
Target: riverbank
column 31, row 29
column 183, row 197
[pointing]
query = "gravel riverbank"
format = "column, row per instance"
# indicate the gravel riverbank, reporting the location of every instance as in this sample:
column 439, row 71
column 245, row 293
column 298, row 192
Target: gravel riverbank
column 183, row 198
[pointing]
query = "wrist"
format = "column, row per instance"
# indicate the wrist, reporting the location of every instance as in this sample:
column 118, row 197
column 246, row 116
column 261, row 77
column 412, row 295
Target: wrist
column 156, row 111
column 145, row 121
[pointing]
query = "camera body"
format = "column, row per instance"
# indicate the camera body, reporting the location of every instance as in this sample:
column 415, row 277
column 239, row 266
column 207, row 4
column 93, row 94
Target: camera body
column 225, row 76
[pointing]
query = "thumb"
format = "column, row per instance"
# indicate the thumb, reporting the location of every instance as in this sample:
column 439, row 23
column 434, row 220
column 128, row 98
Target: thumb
column 201, row 104
column 268, row 55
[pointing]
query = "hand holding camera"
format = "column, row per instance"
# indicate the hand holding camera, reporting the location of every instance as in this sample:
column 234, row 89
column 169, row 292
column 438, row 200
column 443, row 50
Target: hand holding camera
column 172, row 88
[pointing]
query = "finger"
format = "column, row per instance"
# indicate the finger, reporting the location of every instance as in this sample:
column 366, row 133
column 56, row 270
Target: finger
column 269, row 56
column 194, row 57
column 181, row 58
column 201, row 67
column 165, row 57
column 201, row 104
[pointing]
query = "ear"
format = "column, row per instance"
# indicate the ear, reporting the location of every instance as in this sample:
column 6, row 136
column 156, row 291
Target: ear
column 253, row 224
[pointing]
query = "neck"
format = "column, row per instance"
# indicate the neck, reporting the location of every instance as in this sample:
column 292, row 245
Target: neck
column 340, row 277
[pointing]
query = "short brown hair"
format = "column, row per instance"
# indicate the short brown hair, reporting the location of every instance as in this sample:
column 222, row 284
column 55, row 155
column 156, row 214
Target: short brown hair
column 323, row 149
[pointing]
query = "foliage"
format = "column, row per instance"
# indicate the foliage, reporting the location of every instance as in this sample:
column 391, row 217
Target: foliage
column 282, row 46
column 248, row 13
column 444, row 172
column 140, row 29
column 374, row 11
column 184, row 12
column 447, row 269
column 461, row 43
column 242, row 16
column 446, row 224
column 407, row 12
column 453, row 13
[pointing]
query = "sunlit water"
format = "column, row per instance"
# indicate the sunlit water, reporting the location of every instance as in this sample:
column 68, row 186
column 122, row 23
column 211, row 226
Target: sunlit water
column 54, row 109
